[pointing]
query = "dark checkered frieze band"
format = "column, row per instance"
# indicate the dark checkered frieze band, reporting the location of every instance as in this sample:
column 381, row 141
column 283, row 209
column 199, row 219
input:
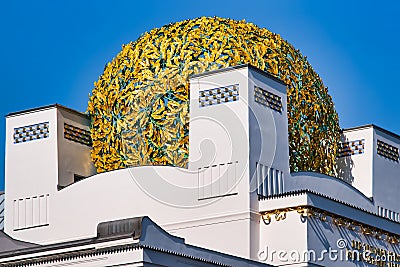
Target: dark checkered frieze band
column 388, row 151
column 219, row 95
column 267, row 99
column 351, row 148
column 31, row 132
column 77, row 134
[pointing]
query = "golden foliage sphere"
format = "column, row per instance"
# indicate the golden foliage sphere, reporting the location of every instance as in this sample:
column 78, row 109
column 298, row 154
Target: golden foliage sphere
column 139, row 106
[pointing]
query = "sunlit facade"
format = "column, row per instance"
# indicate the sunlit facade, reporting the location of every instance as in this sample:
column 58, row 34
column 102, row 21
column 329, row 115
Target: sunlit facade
column 235, row 203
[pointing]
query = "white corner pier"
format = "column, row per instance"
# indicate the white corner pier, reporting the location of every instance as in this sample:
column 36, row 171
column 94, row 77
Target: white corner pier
column 237, row 195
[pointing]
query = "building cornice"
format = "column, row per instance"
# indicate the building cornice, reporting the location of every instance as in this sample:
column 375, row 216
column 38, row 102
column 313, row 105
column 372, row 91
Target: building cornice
column 47, row 107
column 307, row 191
column 247, row 65
column 93, row 252
column 367, row 126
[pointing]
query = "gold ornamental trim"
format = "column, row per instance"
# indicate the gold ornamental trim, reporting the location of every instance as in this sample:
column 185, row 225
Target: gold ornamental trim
column 309, row 212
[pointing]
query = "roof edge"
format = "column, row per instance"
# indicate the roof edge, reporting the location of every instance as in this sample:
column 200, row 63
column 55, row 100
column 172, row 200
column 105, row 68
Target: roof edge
column 312, row 192
column 366, row 126
column 240, row 66
column 31, row 110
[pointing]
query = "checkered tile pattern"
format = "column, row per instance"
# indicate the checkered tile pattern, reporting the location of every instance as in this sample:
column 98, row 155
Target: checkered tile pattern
column 219, row 95
column 388, row 151
column 31, row 132
column 267, row 99
column 351, row 148
column 76, row 134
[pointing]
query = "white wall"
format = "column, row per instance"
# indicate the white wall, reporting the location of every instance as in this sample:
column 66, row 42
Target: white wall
column 73, row 157
column 269, row 149
column 376, row 176
column 207, row 202
column 386, row 184
column 213, row 203
column 357, row 169
column 30, row 172
column 286, row 235
column 217, row 153
column 36, row 168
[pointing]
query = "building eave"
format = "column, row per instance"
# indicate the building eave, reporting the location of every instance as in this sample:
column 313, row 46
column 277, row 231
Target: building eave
column 47, row 107
column 367, row 126
column 240, row 66
column 380, row 220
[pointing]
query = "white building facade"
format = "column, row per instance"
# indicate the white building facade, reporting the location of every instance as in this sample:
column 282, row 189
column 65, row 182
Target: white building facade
column 236, row 203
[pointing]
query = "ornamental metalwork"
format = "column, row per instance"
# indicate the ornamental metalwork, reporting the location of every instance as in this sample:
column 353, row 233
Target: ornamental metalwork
column 267, row 99
column 219, row 95
column 309, row 212
column 77, row 134
column 139, row 106
column 31, row 132
column 351, row 148
column 387, row 151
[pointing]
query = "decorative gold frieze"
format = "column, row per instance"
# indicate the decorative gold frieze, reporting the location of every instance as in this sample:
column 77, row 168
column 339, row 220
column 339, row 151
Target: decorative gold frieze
column 337, row 220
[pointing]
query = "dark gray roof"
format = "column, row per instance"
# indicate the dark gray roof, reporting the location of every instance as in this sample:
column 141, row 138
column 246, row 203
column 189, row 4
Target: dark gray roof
column 7, row 244
column 160, row 247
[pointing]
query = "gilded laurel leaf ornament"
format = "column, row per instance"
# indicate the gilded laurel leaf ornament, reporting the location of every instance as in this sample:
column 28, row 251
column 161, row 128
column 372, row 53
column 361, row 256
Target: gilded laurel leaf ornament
column 140, row 108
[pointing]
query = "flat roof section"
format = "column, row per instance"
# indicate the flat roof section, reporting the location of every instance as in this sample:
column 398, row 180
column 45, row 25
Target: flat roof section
column 211, row 72
column 31, row 110
column 372, row 126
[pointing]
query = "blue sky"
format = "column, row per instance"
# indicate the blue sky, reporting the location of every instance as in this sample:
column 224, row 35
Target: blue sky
column 53, row 51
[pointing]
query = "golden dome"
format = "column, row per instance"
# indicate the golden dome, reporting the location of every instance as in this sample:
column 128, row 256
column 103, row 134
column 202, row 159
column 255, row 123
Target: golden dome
column 139, row 106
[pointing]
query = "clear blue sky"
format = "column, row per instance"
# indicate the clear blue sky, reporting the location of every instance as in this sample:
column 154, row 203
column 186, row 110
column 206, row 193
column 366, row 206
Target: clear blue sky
column 53, row 51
